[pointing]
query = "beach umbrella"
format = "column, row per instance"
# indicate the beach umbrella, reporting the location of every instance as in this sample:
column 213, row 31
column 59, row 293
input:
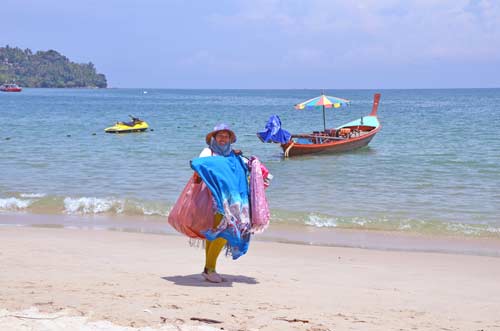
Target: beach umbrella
column 323, row 101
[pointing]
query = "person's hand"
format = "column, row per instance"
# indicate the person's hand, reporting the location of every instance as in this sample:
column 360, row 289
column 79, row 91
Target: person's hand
column 196, row 178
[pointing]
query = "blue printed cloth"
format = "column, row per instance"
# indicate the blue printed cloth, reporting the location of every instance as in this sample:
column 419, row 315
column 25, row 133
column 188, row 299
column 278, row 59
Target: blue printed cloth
column 274, row 133
column 226, row 177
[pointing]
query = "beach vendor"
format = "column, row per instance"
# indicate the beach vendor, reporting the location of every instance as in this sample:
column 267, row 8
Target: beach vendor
column 214, row 205
column 219, row 143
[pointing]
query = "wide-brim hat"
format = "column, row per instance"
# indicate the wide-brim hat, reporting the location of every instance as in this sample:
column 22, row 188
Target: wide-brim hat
column 220, row 127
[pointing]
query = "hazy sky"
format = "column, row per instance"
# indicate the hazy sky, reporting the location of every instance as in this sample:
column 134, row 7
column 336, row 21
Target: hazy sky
column 268, row 43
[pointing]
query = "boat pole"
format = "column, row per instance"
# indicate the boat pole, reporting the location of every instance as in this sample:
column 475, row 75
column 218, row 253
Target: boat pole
column 324, row 119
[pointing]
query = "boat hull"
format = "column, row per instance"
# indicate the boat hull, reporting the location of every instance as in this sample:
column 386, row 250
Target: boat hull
column 125, row 131
column 348, row 144
column 11, row 89
column 123, row 128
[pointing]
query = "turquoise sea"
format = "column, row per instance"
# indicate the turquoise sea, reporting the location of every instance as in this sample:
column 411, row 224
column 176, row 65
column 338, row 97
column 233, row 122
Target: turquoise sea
column 434, row 168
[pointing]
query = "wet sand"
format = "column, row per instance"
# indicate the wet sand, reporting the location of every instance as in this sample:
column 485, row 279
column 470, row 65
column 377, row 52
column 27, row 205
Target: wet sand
column 277, row 232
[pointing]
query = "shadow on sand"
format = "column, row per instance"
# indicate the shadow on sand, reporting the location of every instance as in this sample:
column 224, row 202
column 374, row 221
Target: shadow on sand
column 198, row 280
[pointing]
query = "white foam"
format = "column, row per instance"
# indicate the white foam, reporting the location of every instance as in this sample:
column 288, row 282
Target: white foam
column 325, row 221
column 87, row 205
column 318, row 221
column 405, row 226
column 493, row 230
column 14, row 204
column 468, row 229
column 32, row 195
column 360, row 222
column 152, row 212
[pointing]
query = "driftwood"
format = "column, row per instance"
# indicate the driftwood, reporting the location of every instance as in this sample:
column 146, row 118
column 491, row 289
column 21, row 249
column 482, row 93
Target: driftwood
column 294, row 320
column 205, row 320
column 34, row 318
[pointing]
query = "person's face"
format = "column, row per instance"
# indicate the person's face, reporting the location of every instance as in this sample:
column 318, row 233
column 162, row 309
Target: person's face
column 222, row 138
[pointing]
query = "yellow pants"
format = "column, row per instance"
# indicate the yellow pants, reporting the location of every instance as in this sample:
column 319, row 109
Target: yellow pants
column 213, row 248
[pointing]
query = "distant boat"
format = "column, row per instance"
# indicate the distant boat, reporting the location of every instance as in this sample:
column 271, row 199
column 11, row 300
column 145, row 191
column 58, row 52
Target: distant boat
column 352, row 135
column 10, row 88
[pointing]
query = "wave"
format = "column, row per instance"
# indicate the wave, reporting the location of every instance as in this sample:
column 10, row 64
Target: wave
column 14, row 204
column 32, row 195
column 428, row 227
column 92, row 205
column 50, row 204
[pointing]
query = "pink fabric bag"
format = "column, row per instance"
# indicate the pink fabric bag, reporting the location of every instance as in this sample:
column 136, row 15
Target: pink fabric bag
column 193, row 212
column 258, row 202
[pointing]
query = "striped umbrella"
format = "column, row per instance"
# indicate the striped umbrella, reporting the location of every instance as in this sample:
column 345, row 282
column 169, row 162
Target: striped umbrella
column 323, row 101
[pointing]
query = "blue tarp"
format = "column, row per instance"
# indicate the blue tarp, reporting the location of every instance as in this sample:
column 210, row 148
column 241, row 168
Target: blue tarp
column 274, row 133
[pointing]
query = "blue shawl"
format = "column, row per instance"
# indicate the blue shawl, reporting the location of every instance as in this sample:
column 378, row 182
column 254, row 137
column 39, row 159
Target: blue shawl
column 226, row 177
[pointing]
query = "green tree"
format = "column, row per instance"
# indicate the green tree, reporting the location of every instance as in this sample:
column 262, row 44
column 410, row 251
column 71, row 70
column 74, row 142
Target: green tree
column 46, row 69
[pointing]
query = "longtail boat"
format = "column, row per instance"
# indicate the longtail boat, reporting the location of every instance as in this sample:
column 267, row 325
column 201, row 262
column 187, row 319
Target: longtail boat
column 352, row 135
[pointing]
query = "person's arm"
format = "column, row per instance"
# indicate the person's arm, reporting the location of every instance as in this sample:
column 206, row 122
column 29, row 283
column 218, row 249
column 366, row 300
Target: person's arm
column 204, row 153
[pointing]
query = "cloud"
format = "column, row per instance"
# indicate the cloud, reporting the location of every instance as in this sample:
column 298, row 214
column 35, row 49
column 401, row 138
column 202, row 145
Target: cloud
column 275, row 42
column 390, row 30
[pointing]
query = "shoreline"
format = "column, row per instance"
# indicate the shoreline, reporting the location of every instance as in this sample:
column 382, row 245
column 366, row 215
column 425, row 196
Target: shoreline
column 277, row 232
column 137, row 280
column 153, row 212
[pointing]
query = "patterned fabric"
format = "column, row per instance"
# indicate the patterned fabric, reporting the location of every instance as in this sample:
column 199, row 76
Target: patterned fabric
column 226, row 177
column 258, row 202
column 325, row 101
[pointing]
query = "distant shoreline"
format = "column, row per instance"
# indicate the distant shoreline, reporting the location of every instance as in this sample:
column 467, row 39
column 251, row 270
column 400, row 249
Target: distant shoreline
column 269, row 89
column 49, row 68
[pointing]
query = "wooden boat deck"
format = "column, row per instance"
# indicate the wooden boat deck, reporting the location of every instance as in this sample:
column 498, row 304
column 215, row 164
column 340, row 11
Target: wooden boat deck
column 321, row 137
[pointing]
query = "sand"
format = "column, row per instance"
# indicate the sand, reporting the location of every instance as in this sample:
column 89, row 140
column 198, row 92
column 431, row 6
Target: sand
column 64, row 279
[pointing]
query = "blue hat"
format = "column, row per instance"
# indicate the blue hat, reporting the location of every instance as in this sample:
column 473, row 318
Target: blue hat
column 221, row 127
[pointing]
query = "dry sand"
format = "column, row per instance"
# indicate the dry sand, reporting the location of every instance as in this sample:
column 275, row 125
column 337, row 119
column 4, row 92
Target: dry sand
column 62, row 279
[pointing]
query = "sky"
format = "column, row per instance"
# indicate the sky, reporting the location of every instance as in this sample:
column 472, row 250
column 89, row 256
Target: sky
column 262, row 44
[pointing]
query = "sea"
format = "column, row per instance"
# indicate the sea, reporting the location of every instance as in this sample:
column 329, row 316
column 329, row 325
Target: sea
column 432, row 171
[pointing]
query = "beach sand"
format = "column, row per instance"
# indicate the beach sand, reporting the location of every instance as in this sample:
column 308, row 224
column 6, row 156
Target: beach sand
column 108, row 280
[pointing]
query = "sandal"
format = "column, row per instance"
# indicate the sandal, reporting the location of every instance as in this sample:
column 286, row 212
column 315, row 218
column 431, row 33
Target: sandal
column 212, row 277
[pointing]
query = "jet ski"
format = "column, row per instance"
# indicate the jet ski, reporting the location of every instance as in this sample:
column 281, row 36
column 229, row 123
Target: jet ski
column 136, row 125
